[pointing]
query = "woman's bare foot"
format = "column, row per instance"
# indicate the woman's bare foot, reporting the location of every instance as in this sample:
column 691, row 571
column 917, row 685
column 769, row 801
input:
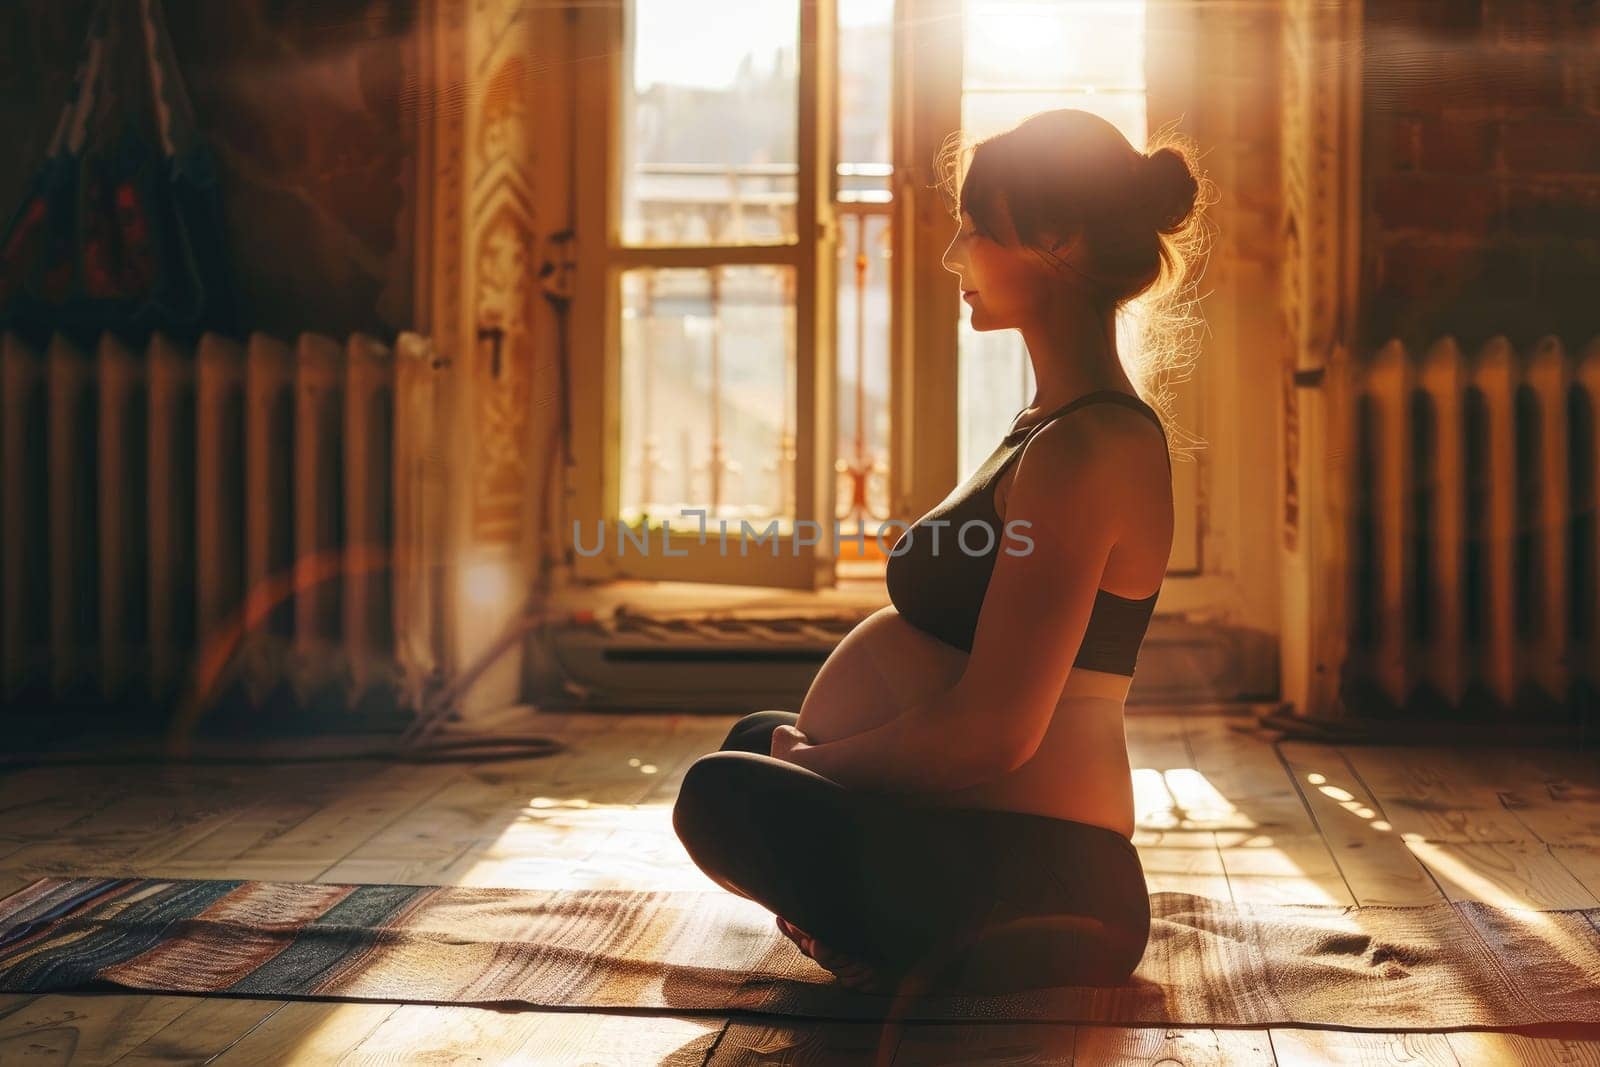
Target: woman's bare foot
column 857, row 974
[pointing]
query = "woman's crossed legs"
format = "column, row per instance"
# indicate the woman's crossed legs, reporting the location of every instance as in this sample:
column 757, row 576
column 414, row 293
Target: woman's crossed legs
column 923, row 897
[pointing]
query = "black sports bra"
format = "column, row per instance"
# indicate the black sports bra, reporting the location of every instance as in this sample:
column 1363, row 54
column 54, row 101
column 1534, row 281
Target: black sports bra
column 938, row 578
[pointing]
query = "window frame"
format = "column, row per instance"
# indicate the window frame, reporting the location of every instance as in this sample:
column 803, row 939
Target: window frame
column 593, row 483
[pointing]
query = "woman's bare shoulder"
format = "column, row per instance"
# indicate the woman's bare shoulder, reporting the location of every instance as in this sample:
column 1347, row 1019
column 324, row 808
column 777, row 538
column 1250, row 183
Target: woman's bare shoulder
column 1107, row 436
column 1117, row 451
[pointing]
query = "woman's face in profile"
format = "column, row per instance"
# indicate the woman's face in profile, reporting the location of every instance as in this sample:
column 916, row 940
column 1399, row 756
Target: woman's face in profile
column 1003, row 283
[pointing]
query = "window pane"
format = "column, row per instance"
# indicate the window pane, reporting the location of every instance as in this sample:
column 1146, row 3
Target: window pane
column 710, row 116
column 863, row 376
column 866, row 66
column 1021, row 57
column 708, row 394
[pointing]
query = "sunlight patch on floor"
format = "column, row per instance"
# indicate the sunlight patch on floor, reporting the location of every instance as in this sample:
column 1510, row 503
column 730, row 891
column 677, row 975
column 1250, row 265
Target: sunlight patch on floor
column 1182, row 798
column 564, row 843
column 1192, row 838
column 1346, row 800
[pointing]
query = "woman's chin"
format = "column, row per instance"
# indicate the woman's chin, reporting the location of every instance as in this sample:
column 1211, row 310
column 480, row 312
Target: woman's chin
column 980, row 323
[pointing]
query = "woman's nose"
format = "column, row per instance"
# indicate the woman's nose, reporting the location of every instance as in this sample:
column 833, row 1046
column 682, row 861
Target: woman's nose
column 949, row 262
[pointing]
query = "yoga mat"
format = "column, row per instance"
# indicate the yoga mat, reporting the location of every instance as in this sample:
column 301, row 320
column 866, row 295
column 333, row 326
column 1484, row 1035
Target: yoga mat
column 1211, row 963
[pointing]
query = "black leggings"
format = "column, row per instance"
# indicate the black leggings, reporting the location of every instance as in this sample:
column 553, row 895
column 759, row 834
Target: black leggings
column 963, row 899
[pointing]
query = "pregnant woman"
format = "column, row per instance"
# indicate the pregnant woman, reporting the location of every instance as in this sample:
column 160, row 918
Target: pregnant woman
column 952, row 807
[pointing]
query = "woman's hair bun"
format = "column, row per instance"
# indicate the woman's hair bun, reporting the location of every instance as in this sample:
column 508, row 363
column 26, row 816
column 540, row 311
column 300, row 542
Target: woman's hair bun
column 1169, row 189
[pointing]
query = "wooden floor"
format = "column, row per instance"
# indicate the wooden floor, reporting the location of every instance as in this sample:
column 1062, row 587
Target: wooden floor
column 1222, row 812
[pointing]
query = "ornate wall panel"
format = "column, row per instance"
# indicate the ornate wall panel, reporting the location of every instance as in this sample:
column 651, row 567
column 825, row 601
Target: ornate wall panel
column 488, row 146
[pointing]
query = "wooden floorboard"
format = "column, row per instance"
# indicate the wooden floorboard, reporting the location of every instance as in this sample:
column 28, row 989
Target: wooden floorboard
column 1316, row 1048
column 1451, row 814
column 1222, row 811
column 1270, row 844
column 1374, row 862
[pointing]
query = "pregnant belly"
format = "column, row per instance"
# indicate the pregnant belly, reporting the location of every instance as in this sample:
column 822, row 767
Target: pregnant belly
column 880, row 668
column 885, row 665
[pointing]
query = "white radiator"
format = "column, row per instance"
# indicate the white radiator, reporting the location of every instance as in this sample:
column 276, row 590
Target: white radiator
column 167, row 511
column 1474, row 544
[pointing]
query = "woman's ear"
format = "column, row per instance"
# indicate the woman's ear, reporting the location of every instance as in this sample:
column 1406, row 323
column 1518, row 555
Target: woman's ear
column 1058, row 243
column 1059, row 247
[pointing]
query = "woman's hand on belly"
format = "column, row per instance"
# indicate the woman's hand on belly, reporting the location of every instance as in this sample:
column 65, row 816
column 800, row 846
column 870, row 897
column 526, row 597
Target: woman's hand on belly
column 785, row 739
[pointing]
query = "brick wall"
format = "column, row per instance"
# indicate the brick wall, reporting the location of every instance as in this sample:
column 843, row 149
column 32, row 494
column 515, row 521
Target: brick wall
column 1481, row 160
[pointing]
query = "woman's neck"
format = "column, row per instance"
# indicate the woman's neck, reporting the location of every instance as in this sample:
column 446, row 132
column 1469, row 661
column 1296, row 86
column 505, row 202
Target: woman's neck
column 1073, row 349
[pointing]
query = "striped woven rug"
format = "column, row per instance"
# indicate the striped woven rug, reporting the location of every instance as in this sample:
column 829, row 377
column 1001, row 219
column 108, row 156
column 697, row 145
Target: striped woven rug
column 1209, row 962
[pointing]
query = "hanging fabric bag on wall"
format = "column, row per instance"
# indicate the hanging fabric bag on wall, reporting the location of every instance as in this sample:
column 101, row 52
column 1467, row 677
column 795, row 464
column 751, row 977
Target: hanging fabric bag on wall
column 39, row 249
column 122, row 228
column 194, row 286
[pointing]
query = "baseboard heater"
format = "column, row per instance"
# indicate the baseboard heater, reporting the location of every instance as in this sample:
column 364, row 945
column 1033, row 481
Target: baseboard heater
column 641, row 663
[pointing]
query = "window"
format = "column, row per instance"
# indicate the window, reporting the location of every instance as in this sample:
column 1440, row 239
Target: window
column 706, row 243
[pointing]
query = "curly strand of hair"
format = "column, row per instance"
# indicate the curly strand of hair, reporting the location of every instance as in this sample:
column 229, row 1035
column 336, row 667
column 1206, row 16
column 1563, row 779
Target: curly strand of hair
column 1165, row 318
